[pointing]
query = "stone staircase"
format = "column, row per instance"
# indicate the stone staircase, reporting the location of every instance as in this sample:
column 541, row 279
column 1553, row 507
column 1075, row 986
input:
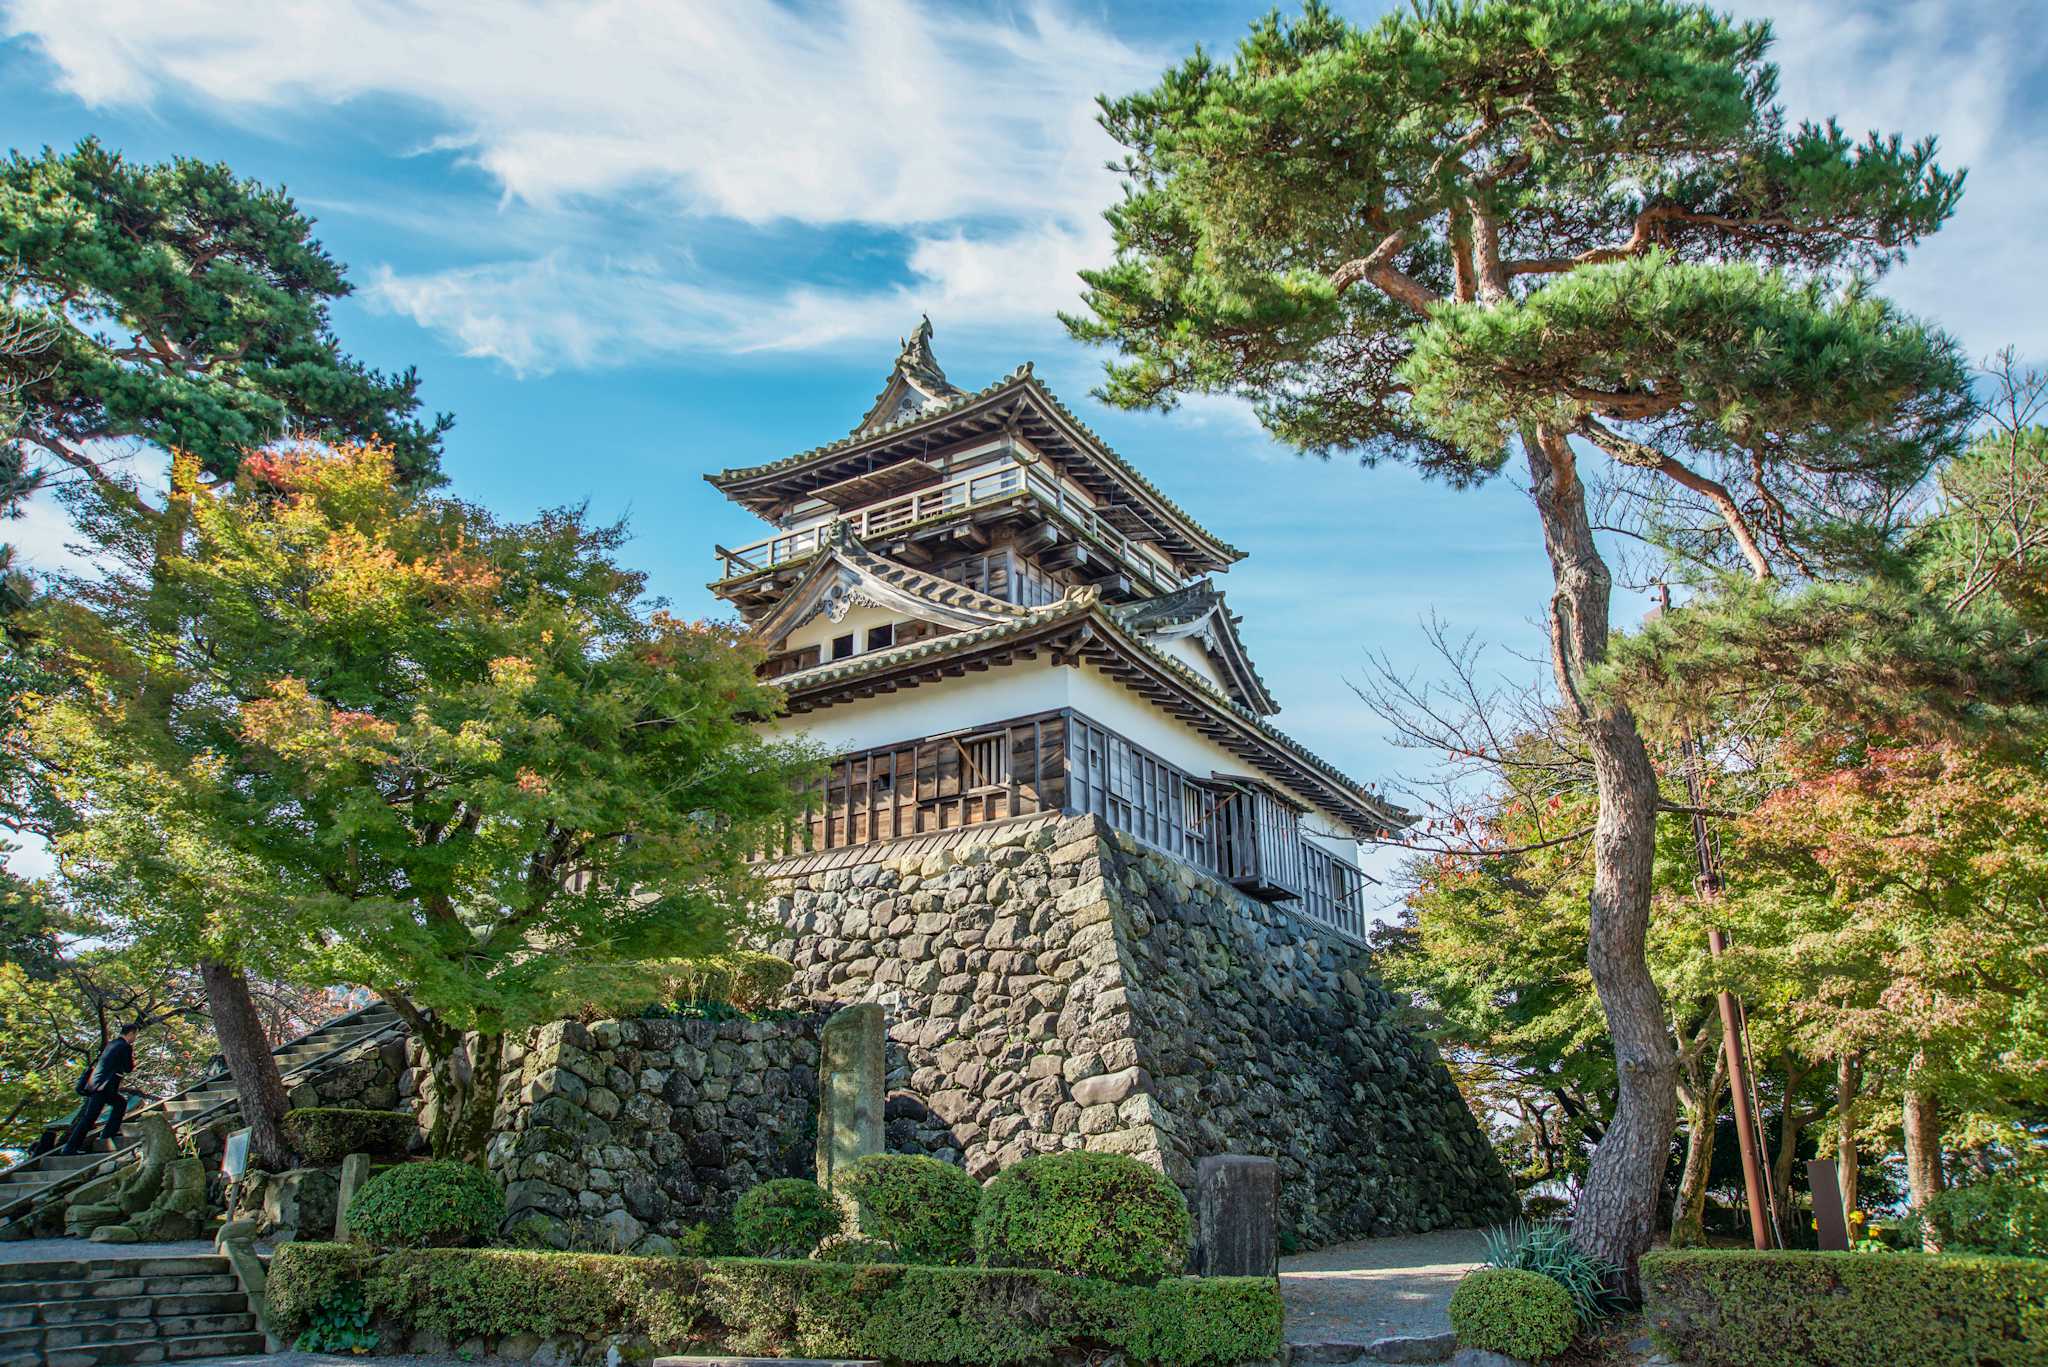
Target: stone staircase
column 32, row 1188
column 85, row 1313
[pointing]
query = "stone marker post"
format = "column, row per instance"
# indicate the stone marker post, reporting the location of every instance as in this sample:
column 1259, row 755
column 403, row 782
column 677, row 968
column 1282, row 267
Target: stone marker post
column 1237, row 1215
column 850, row 1088
column 355, row 1171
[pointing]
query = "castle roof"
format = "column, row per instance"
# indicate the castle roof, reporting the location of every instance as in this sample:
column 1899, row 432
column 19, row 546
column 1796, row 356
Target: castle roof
column 921, row 413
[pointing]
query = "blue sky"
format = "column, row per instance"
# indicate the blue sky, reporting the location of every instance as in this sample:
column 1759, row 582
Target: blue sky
column 627, row 243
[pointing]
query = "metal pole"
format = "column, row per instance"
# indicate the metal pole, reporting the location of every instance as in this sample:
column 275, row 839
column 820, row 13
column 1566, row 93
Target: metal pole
column 1734, row 1040
column 1738, row 1088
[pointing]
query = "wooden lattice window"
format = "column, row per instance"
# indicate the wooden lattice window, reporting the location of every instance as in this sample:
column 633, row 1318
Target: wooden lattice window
column 985, row 761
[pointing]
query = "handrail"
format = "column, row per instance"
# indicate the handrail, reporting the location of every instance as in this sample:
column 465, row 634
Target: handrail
column 92, row 1171
column 969, row 491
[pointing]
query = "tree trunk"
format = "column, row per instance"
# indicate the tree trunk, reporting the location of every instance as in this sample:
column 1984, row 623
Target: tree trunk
column 1922, row 1124
column 1792, row 1127
column 1848, row 1082
column 1617, row 1210
column 258, row 1085
column 1702, row 1105
column 466, row 1071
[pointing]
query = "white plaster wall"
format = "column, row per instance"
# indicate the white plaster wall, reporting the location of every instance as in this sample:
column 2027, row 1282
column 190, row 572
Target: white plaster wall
column 1189, row 652
column 934, row 709
column 821, row 630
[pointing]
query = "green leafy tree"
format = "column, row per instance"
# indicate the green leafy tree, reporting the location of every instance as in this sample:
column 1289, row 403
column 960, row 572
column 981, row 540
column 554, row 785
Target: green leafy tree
column 1577, row 229
column 404, row 744
column 182, row 307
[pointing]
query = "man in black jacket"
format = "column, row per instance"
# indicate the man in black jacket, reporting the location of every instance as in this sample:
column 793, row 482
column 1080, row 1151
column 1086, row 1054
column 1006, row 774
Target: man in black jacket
column 102, row 1090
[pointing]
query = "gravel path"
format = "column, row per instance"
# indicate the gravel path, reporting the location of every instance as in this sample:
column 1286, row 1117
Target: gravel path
column 1377, row 1288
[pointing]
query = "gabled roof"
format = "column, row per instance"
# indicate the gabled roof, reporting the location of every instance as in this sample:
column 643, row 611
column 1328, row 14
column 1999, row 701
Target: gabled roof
column 1198, row 611
column 847, row 574
column 1080, row 627
column 915, row 384
column 896, row 428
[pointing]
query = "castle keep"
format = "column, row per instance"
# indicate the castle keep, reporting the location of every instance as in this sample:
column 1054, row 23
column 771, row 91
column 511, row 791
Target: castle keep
column 1105, row 902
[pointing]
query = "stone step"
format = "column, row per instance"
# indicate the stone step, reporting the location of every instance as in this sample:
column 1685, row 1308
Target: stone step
column 117, row 1287
column 86, row 1269
column 155, row 1350
column 21, row 1315
column 87, row 1333
column 71, row 1162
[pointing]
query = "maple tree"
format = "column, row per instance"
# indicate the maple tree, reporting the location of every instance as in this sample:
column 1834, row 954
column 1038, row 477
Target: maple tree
column 398, row 742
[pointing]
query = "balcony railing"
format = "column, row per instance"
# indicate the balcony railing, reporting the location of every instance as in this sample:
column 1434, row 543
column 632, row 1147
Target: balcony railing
column 959, row 495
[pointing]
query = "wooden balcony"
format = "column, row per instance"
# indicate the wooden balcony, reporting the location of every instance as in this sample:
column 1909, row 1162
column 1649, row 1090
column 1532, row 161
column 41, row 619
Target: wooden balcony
column 989, row 488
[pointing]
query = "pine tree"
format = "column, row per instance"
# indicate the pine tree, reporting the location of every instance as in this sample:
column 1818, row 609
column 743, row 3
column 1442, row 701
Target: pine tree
column 1577, row 230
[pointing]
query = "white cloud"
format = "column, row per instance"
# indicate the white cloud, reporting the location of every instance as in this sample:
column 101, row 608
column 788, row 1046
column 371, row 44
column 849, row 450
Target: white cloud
column 974, row 135
column 1968, row 72
column 547, row 313
column 872, row 111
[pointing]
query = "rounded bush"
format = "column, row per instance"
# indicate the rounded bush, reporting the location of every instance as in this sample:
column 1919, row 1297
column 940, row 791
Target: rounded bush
column 1088, row 1214
column 327, row 1134
column 785, row 1218
column 437, row 1204
column 1992, row 1215
column 922, row 1208
column 1522, row 1314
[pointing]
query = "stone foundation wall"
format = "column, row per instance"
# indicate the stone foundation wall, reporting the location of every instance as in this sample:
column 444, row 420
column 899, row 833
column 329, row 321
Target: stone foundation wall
column 623, row 1134
column 1050, row 985
column 1261, row 1032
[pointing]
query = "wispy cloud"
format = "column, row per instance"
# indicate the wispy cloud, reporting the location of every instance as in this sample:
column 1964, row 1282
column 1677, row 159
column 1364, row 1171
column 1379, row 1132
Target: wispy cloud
column 972, row 135
column 1969, row 73
column 968, row 135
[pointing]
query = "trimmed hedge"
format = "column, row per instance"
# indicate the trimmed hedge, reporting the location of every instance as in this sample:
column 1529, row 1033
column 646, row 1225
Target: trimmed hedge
column 328, row 1134
column 938, row 1316
column 922, row 1208
column 438, row 1204
column 1507, row 1310
column 1088, row 1214
column 785, row 1218
column 1742, row 1308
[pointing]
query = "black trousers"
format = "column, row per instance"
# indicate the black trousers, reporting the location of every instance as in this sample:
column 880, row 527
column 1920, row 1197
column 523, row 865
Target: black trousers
column 115, row 1105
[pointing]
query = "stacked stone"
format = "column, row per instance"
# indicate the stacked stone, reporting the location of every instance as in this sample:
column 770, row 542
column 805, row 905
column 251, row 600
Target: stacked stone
column 1266, row 1033
column 368, row 1078
column 997, row 960
column 1052, row 985
column 623, row 1134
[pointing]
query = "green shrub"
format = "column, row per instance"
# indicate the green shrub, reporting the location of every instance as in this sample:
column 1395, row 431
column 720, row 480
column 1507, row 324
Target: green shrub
column 439, row 1204
column 328, row 1134
column 2001, row 1215
column 1505, row 1310
column 1742, row 1308
column 938, row 1316
column 1545, row 1247
column 1089, row 1214
column 920, row 1207
column 785, row 1218
column 305, row 1277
